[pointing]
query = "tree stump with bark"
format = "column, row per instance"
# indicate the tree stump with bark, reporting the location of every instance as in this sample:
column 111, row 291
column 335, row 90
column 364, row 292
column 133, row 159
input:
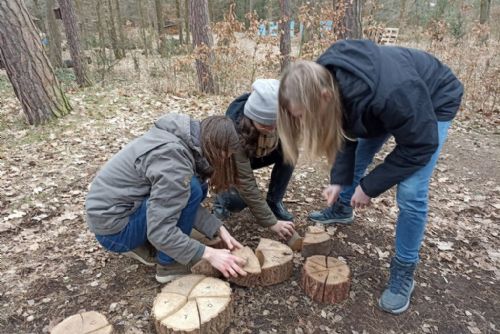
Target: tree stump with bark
column 84, row 323
column 316, row 242
column 193, row 304
column 326, row 279
column 276, row 261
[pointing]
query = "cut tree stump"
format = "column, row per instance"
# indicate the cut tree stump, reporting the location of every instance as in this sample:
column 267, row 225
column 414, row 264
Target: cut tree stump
column 193, row 304
column 203, row 267
column 84, row 323
column 295, row 242
column 316, row 242
column 252, row 268
column 326, row 279
column 276, row 261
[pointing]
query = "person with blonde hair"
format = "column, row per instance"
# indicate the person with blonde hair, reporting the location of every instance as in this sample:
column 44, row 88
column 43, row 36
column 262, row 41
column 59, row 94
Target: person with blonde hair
column 148, row 196
column 345, row 106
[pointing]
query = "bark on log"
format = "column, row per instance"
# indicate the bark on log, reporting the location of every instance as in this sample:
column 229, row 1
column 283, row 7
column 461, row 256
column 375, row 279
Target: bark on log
column 84, row 323
column 326, row 279
column 276, row 261
column 193, row 304
column 316, row 242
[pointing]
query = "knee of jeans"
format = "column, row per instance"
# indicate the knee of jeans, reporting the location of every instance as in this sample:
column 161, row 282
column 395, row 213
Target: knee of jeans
column 412, row 198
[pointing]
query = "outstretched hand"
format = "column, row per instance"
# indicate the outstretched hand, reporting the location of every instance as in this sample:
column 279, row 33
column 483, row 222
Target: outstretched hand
column 225, row 262
column 230, row 242
column 331, row 193
column 284, row 229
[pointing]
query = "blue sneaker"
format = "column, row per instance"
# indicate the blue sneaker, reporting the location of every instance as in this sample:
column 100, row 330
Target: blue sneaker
column 396, row 297
column 338, row 213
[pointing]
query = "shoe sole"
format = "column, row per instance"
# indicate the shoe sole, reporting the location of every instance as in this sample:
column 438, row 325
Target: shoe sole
column 140, row 259
column 399, row 310
column 167, row 279
column 341, row 221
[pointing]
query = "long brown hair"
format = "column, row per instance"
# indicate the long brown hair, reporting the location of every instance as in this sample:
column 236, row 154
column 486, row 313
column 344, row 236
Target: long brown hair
column 219, row 140
column 308, row 85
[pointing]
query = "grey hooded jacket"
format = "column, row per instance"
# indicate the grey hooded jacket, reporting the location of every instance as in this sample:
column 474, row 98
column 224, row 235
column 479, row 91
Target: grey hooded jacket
column 158, row 165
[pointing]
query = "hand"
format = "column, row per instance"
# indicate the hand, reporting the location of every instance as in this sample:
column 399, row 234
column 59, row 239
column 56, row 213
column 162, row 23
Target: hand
column 230, row 242
column 360, row 200
column 225, row 262
column 284, row 229
column 331, row 193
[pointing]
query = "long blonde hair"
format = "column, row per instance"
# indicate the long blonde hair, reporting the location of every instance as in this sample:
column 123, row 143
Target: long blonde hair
column 305, row 84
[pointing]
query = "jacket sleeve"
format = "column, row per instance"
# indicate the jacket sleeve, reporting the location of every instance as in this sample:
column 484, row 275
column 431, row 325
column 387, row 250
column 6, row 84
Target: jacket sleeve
column 409, row 116
column 169, row 172
column 342, row 172
column 249, row 191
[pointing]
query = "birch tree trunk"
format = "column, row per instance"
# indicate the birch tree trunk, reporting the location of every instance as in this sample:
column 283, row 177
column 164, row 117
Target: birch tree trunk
column 28, row 67
column 73, row 38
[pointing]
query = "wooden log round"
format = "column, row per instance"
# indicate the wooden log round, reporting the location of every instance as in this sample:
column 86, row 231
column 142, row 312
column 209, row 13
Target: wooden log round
column 84, row 323
column 295, row 242
column 276, row 261
column 193, row 304
column 252, row 268
column 316, row 242
column 326, row 279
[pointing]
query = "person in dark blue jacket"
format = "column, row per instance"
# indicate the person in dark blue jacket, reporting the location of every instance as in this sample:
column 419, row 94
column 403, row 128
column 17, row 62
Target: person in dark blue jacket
column 345, row 106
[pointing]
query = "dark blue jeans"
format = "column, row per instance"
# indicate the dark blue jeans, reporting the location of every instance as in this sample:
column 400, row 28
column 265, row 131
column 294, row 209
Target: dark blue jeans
column 412, row 194
column 135, row 234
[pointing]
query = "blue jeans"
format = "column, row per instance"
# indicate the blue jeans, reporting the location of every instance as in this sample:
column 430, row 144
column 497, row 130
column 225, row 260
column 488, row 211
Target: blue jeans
column 412, row 194
column 135, row 234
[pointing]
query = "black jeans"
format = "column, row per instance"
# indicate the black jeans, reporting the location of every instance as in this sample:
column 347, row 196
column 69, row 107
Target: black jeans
column 280, row 177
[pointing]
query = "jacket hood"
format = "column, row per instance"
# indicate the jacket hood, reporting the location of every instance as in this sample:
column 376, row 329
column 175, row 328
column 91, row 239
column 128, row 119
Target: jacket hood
column 356, row 67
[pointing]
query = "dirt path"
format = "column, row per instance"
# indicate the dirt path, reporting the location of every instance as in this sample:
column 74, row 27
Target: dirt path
column 51, row 266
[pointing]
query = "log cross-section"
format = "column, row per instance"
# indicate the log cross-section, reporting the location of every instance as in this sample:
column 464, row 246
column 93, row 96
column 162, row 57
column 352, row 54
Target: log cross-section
column 326, row 279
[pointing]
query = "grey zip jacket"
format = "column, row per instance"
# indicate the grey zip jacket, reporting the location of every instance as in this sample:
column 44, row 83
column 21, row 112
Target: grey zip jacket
column 158, row 165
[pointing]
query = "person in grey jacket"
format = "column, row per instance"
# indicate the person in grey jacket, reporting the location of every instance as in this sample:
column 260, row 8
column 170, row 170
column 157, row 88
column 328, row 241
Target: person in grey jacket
column 149, row 194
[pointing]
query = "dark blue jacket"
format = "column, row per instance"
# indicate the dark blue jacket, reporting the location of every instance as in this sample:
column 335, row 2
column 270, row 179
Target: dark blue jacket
column 235, row 109
column 395, row 90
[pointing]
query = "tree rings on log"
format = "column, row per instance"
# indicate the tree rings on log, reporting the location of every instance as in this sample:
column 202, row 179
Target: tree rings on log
column 275, row 260
column 193, row 304
column 252, row 268
column 84, row 323
column 326, row 279
column 316, row 242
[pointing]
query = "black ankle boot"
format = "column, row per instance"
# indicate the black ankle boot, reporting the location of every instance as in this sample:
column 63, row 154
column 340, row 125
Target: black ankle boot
column 279, row 210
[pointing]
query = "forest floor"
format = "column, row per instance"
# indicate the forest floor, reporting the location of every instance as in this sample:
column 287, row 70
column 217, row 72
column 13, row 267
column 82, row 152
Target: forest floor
column 51, row 265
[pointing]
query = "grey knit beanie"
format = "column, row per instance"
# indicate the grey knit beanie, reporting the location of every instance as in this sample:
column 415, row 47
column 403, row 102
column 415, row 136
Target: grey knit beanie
column 262, row 105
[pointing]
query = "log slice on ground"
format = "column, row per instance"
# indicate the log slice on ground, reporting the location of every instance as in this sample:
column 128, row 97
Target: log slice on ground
column 326, row 279
column 84, row 323
column 252, row 268
column 276, row 261
column 316, row 242
column 193, row 304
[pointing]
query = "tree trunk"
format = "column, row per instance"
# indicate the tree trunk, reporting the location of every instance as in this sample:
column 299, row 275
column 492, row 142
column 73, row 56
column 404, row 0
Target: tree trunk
column 202, row 39
column 159, row 17
column 119, row 23
column 351, row 25
column 112, row 32
column 402, row 13
column 102, row 58
column 81, row 24
column 484, row 14
column 179, row 17
column 186, row 21
column 143, row 28
column 284, row 27
column 73, row 38
column 54, row 36
column 28, row 67
column 40, row 17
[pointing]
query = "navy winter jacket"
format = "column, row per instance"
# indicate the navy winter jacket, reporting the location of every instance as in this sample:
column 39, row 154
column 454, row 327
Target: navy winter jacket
column 395, row 90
